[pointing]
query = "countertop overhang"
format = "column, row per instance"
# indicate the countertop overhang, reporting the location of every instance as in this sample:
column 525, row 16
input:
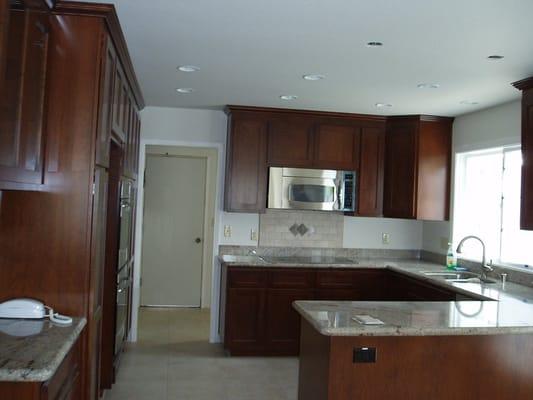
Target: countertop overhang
column 32, row 350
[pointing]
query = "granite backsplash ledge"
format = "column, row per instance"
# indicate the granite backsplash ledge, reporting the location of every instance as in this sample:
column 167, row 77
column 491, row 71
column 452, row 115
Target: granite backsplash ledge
column 318, row 251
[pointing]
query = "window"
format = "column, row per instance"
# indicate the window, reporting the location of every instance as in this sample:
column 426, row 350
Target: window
column 487, row 204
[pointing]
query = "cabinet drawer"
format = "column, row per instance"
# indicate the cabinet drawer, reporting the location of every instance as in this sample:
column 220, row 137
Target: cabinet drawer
column 65, row 382
column 246, row 277
column 334, row 278
column 291, row 278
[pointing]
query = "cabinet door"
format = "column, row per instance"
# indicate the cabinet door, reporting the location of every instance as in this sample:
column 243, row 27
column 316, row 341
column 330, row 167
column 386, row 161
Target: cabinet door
column 371, row 172
column 433, row 172
column 23, row 88
column 335, row 294
column 290, row 142
column 526, row 207
column 109, row 65
column 400, row 166
column 119, row 104
column 336, row 147
column 245, row 315
column 283, row 321
column 246, row 170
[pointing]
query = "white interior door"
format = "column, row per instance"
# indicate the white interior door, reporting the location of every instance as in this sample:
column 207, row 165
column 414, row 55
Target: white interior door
column 173, row 224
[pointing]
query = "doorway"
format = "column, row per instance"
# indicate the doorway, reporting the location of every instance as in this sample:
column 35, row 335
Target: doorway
column 177, row 233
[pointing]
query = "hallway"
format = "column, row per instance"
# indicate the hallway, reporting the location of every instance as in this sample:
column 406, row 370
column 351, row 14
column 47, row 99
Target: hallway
column 173, row 360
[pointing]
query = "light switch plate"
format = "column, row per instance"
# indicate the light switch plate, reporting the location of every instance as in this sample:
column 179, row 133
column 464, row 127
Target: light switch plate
column 385, row 238
column 444, row 243
column 227, row 231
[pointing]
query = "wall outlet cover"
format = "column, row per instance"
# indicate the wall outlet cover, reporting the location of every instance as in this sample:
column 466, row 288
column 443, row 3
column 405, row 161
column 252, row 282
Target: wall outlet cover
column 385, row 238
column 227, row 231
column 253, row 235
column 444, row 243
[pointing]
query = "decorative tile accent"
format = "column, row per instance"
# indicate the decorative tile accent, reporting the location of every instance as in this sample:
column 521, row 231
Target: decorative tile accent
column 287, row 228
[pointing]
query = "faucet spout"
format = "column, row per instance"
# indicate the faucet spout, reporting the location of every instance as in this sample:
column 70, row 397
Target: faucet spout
column 484, row 267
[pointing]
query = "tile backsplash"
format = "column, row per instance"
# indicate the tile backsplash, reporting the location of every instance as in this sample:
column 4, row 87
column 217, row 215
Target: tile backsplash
column 287, row 228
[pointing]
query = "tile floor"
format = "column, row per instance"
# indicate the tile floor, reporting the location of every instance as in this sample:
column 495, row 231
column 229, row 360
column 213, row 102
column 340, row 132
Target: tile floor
column 174, row 361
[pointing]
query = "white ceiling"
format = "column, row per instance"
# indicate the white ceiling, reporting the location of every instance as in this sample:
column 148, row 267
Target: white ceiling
column 251, row 52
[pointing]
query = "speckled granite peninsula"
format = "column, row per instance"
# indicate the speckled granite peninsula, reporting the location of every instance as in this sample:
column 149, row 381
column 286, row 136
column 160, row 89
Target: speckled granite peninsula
column 32, row 350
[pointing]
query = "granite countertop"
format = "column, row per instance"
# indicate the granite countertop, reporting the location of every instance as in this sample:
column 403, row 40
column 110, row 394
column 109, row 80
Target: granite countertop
column 508, row 308
column 32, row 350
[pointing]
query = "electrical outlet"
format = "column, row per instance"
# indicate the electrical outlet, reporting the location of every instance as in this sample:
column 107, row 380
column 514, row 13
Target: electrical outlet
column 444, row 243
column 385, row 238
column 253, row 235
column 227, row 231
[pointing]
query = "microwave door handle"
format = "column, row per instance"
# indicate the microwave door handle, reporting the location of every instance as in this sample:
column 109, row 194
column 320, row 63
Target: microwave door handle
column 340, row 200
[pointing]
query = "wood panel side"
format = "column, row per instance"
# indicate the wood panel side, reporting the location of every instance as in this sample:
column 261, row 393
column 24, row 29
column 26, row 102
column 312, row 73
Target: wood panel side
column 434, row 367
column 315, row 358
column 526, row 206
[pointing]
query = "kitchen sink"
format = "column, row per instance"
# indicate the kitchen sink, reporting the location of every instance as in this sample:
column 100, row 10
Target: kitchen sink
column 459, row 276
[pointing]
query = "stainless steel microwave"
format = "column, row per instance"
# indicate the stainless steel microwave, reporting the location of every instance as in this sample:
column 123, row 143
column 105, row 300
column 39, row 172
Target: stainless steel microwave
column 311, row 189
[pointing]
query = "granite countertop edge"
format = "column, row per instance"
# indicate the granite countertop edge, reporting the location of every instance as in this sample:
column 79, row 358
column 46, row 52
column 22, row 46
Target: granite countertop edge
column 45, row 373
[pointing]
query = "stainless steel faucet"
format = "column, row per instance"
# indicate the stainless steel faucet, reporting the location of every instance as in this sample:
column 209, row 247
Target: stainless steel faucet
column 253, row 252
column 484, row 267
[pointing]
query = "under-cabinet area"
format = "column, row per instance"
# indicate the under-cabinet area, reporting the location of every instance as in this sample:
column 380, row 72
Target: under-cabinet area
column 257, row 307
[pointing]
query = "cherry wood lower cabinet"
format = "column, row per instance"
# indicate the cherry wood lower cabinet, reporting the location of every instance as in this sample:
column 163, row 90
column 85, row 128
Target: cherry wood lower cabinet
column 258, row 315
column 416, row 367
column 64, row 385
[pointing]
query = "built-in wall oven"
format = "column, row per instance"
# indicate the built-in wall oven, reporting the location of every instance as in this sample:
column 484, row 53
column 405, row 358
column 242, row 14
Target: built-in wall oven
column 311, row 189
column 123, row 263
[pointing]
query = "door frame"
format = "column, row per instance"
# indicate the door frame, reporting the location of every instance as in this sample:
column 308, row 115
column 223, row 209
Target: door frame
column 214, row 182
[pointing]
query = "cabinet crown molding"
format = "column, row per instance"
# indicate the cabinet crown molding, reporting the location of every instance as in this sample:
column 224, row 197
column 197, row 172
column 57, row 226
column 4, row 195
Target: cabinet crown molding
column 109, row 14
column 524, row 84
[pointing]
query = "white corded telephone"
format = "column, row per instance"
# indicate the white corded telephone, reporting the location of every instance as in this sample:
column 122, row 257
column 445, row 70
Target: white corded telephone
column 31, row 309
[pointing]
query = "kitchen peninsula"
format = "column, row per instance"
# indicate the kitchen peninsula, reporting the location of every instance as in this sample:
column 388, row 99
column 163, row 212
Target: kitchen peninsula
column 424, row 350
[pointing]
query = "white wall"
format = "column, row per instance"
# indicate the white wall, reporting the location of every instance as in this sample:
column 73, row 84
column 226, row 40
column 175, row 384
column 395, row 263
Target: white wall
column 367, row 233
column 241, row 226
column 492, row 127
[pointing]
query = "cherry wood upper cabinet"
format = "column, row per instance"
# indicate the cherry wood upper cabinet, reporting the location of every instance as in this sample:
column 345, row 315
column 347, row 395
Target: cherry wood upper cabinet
column 417, row 167
column 526, row 202
column 246, row 166
column 371, row 172
column 290, row 141
column 336, row 146
column 24, row 35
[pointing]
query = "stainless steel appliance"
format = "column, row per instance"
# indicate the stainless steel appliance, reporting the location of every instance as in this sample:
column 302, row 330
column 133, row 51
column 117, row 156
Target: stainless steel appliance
column 121, row 320
column 126, row 218
column 311, row 189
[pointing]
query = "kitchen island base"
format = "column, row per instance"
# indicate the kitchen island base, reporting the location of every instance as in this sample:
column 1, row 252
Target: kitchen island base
column 461, row 367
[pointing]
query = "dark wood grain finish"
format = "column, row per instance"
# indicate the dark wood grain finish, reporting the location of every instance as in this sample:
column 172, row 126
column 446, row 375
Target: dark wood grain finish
column 290, row 142
column 337, row 147
column 400, row 168
column 416, row 368
column 245, row 333
column 282, row 322
column 22, row 105
column 434, row 170
column 371, row 172
column 526, row 200
column 108, row 68
column 268, row 293
column 107, row 13
column 246, row 169
column 417, row 167
column 4, row 25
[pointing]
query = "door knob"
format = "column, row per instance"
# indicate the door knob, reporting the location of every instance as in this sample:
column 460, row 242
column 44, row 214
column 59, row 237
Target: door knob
column 197, row 240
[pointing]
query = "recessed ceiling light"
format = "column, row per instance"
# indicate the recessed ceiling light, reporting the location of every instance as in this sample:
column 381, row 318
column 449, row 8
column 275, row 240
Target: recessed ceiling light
column 382, row 105
column 288, row 97
column 374, row 44
column 469, row 102
column 184, row 90
column 313, row 77
column 495, row 57
column 188, row 68
column 428, row 86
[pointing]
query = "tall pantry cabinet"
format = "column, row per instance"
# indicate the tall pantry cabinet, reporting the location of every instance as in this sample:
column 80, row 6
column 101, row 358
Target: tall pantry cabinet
column 53, row 224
